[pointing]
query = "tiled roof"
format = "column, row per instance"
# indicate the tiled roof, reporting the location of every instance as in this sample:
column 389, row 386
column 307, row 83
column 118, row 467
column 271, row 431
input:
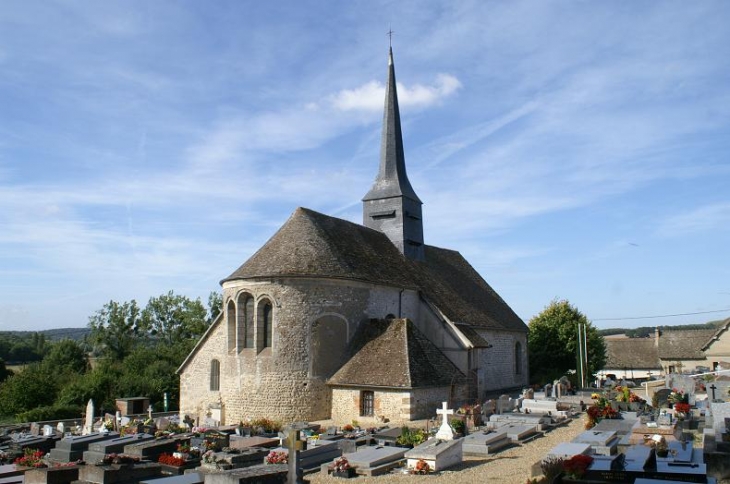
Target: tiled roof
column 683, row 344
column 631, row 353
column 311, row 244
column 716, row 335
column 395, row 354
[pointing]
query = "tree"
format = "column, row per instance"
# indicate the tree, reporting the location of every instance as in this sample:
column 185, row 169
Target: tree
column 4, row 372
column 171, row 319
column 33, row 387
column 552, row 342
column 115, row 328
column 66, row 356
column 215, row 306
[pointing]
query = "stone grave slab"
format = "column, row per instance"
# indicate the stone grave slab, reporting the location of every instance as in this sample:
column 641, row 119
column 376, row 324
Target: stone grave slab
column 484, row 443
column 569, row 449
column 313, row 457
column 250, row 456
column 18, row 444
column 259, row 474
column 602, row 442
column 438, row 454
column 191, row 478
column 112, row 474
column 640, row 432
column 237, row 442
column 539, row 421
column 387, row 436
column 52, row 475
column 519, row 433
column 70, row 449
column 719, row 411
column 539, row 406
column 662, row 397
column 373, row 461
column 98, row 450
column 151, row 449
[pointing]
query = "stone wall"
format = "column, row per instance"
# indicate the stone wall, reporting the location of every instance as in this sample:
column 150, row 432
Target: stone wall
column 496, row 365
column 287, row 381
column 394, row 405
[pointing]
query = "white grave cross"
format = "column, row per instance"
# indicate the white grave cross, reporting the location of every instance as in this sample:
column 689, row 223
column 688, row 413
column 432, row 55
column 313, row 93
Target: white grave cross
column 445, row 432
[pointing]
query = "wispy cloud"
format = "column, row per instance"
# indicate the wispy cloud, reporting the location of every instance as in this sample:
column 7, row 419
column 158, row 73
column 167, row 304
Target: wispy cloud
column 369, row 96
column 708, row 218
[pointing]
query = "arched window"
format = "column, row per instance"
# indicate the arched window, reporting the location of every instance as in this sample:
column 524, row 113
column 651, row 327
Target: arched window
column 518, row 358
column 245, row 321
column 265, row 321
column 250, row 323
column 231, row 321
column 215, row 376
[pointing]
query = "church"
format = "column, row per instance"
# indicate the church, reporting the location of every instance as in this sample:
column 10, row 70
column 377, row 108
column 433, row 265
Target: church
column 335, row 320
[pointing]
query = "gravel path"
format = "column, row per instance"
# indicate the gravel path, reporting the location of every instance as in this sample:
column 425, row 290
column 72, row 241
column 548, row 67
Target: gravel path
column 510, row 466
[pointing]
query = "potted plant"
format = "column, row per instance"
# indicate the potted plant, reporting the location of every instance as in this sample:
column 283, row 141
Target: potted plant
column 421, row 467
column 576, row 466
column 341, row 468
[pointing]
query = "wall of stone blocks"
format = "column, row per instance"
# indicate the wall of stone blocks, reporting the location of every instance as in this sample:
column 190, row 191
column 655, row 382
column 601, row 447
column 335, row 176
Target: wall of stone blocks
column 278, row 382
column 497, row 368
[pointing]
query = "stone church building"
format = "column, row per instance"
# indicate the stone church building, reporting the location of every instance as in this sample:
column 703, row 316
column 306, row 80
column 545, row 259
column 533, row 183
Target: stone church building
column 331, row 319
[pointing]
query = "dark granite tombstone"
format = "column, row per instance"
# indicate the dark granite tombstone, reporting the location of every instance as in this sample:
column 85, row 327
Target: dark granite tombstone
column 662, row 397
column 98, row 450
column 70, row 449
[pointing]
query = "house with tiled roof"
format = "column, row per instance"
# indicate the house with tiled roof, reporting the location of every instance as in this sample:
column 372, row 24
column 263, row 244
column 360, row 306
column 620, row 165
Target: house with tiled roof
column 333, row 319
column 668, row 351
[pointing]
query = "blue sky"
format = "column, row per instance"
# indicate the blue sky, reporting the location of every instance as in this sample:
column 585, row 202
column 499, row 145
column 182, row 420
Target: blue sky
column 568, row 149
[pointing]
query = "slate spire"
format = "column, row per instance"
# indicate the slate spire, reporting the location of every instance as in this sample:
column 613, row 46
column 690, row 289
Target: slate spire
column 392, row 205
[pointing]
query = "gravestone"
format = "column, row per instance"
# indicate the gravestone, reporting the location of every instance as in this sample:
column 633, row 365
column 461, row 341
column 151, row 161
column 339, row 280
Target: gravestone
column 51, row 475
column 566, row 450
column 113, row 474
column 548, row 390
column 19, row 443
column 237, row 442
column 489, row 407
column 191, row 478
column 602, row 442
column 519, row 433
column 89, row 418
column 259, row 474
column 719, row 411
column 504, row 404
column 387, row 436
column 313, row 457
column 97, row 450
column 438, row 454
column 539, row 406
column 662, row 397
column 374, row 461
column 71, row 449
column 445, row 432
column 151, row 449
column 484, row 443
column 61, row 428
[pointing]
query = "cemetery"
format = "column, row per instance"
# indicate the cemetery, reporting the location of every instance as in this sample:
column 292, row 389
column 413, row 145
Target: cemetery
column 675, row 432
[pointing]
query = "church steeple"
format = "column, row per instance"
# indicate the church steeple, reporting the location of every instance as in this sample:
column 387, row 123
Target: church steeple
column 392, row 205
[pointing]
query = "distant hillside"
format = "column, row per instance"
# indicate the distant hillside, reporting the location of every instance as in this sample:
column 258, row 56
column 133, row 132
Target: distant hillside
column 76, row 334
column 646, row 331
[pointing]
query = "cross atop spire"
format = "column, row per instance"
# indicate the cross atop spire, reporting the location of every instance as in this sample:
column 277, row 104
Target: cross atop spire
column 390, row 37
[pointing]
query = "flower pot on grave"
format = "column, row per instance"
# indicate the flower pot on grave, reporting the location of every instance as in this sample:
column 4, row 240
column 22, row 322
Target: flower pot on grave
column 346, row 474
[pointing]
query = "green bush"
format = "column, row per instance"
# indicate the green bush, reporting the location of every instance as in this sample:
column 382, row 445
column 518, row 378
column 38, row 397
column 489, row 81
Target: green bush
column 410, row 437
column 458, row 425
column 51, row 412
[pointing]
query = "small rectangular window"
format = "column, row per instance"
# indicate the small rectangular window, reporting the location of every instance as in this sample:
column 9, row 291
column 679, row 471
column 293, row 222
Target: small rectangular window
column 367, row 399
